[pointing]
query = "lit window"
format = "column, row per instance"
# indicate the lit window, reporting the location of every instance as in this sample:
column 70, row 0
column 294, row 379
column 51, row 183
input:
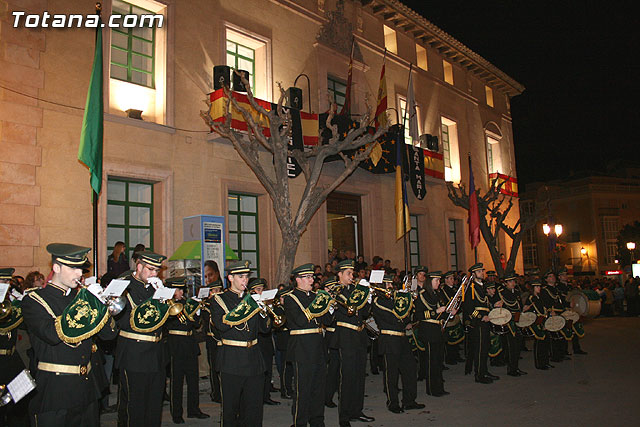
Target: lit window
column 450, row 153
column 414, row 242
column 448, row 72
column 421, row 56
column 129, row 213
column 250, row 52
column 489, row 95
column 610, row 230
column 138, row 62
column 402, row 101
column 337, row 91
column 242, row 57
column 390, row 39
column 494, row 158
column 243, row 228
column 453, row 244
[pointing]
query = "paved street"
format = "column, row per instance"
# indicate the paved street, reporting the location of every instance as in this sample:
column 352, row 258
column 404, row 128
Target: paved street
column 598, row 389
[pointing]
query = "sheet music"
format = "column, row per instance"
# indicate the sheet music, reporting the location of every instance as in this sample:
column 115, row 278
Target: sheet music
column 116, row 288
column 4, row 287
column 21, row 385
column 204, row 293
column 377, row 276
column 164, row 293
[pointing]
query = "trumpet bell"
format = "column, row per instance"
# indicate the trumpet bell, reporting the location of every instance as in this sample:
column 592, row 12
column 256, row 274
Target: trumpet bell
column 5, row 309
column 116, row 305
column 175, row 309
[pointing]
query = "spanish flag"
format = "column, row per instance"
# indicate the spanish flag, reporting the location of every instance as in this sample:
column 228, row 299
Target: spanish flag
column 381, row 108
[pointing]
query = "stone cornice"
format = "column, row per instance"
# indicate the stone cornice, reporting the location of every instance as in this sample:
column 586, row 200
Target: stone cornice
column 403, row 18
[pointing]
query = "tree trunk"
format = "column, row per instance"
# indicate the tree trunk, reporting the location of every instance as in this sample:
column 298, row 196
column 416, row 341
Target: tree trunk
column 286, row 258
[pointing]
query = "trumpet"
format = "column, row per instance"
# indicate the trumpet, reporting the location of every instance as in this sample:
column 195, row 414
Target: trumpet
column 114, row 304
column 269, row 305
column 456, row 301
column 351, row 310
column 385, row 292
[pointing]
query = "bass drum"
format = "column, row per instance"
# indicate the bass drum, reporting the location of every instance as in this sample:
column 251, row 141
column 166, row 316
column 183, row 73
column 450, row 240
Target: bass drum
column 585, row 303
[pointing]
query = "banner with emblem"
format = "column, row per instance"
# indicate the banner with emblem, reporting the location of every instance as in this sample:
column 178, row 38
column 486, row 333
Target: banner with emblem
column 359, row 296
column 454, row 334
column 416, row 344
column 495, row 346
column 320, row 304
column 82, row 318
column 244, row 311
column 402, row 304
column 191, row 307
column 149, row 316
column 14, row 319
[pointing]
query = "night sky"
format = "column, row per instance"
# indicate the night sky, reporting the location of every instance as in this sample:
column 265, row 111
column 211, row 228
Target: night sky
column 578, row 61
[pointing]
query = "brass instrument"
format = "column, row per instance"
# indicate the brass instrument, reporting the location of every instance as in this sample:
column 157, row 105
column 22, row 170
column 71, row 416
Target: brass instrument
column 335, row 291
column 114, row 304
column 384, row 292
column 5, row 308
column 456, row 301
column 269, row 305
column 175, row 308
column 351, row 310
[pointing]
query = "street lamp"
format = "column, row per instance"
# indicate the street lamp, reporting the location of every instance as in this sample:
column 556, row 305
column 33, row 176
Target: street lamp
column 552, row 231
column 632, row 247
column 583, row 251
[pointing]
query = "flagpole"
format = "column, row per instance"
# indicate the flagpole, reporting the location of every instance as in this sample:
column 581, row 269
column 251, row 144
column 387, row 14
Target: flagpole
column 404, row 213
column 95, row 233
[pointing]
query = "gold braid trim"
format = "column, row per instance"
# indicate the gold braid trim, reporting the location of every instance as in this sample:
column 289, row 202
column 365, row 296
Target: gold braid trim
column 306, row 312
column 152, row 328
column 10, row 328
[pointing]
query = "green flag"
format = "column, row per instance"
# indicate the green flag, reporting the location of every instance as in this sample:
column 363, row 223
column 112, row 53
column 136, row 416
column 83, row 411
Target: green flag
column 90, row 150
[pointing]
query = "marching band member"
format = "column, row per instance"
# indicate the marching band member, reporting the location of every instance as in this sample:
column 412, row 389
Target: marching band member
column 555, row 306
column 420, row 273
column 496, row 353
column 140, row 351
column 393, row 316
column 352, row 344
column 306, row 311
column 10, row 360
column 239, row 319
column 476, row 312
column 578, row 328
column 265, row 342
column 212, row 340
column 541, row 338
column 333, row 354
column 61, row 322
column 184, row 352
column 454, row 334
column 428, row 312
column 512, row 341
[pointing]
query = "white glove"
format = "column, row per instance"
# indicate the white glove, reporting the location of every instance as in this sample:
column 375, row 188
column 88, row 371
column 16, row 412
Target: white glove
column 364, row 282
column 370, row 298
column 156, row 282
column 331, row 309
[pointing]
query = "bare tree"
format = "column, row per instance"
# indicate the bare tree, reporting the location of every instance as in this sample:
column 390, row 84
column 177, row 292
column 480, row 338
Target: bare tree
column 493, row 214
column 274, row 175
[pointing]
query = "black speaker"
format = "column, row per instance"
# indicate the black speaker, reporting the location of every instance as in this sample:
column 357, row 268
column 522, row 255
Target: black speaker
column 432, row 143
column 237, row 83
column 221, row 76
column 294, row 94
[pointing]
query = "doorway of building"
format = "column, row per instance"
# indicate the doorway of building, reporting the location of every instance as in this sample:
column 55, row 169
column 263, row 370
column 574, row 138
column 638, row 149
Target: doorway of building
column 344, row 222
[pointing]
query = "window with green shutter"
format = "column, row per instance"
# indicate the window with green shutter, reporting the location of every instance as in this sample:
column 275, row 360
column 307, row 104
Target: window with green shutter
column 337, row 91
column 133, row 49
column 414, row 242
column 129, row 213
column 243, row 229
column 242, row 57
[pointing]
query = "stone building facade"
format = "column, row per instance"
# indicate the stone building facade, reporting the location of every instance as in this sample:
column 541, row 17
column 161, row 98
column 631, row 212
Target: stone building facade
column 168, row 166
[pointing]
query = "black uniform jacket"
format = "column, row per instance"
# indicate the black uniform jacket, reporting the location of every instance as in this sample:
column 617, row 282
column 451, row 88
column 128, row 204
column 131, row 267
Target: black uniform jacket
column 476, row 304
column 246, row 361
column 308, row 347
column 348, row 337
column 382, row 310
column 552, row 299
column 63, row 391
column 138, row 355
column 426, row 306
column 183, row 347
column 510, row 300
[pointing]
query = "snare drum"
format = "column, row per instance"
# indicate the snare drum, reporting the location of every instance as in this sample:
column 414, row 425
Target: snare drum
column 554, row 325
column 499, row 316
column 500, row 329
column 526, row 319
